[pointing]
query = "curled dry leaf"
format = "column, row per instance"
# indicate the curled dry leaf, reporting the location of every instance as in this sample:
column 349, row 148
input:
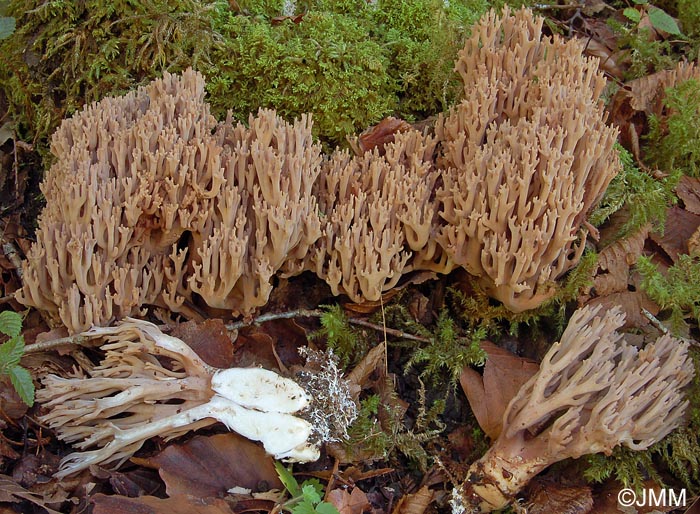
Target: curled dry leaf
column 210, row 466
column 614, row 261
column 680, row 227
column 381, row 134
column 104, row 504
column 546, row 496
column 490, row 393
column 415, row 503
column 631, row 303
column 688, row 190
column 209, row 340
column 355, row 502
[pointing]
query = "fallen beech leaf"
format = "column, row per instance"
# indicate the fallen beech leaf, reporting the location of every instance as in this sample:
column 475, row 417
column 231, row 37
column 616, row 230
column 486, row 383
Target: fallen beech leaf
column 415, row 503
column 490, row 393
column 11, row 491
column 210, row 466
column 688, row 190
column 104, row 504
column 209, row 339
column 680, row 226
column 612, row 272
column 374, row 358
column 632, row 303
column 381, row 134
column 546, row 496
column 355, row 502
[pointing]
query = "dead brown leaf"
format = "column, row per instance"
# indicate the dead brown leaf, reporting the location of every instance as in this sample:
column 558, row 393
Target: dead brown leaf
column 381, row 134
column 12, row 492
column 547, row 496
column 11, row 404
column 614, row 261
column 104, row 504
column 632, row 303
column 490, row 393
column 355, row 502
column 210, row 466
column 374, row 359
column 209, row 339
column 680, row 226
column 416, row 503
column 688, row 190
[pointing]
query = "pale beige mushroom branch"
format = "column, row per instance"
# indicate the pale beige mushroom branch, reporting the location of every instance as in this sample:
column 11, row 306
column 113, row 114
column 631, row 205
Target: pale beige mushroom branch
column 593, row 392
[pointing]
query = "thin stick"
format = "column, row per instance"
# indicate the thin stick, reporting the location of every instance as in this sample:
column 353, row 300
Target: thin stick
column 664, row 329
column 82, row 339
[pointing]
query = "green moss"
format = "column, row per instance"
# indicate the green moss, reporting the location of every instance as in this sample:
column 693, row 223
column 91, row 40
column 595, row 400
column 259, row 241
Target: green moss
column 449, row 351
column 674, row 141
column 65, row 53
column 349, row 62
column 677, row 291
column 326, row 65
column 645, row 198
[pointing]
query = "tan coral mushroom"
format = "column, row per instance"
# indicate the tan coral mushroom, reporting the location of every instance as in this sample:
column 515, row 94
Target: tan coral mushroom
column 151, row 202
column 378, row 216
column 593, row 392
column 527, row 154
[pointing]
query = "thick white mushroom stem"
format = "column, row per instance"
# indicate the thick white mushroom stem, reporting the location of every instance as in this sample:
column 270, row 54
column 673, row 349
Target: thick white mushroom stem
column 151, row 384
column 593, row 392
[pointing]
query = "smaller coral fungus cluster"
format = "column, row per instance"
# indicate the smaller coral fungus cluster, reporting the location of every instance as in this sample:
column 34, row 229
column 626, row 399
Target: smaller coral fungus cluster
column 593, row 392
column 151, row 202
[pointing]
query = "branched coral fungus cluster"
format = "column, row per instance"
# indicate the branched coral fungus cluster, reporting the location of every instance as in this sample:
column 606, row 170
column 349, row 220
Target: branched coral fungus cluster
column 151, row 202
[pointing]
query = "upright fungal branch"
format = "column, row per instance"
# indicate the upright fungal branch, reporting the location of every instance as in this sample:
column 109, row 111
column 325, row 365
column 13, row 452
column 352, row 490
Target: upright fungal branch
column 151, row 202
column 527, row 155
column 592, row 393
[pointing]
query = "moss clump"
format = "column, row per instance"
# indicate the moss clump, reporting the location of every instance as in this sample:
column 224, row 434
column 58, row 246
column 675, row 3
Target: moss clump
column 674, row 140
column 349, row 62
column 677, row 291
column 65, row 54
column 645, row 198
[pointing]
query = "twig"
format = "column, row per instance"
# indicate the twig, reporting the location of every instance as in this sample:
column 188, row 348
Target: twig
column 390, row 331
column 664, row 329
column 301, row 313
column 76, row 340
column 82, row 339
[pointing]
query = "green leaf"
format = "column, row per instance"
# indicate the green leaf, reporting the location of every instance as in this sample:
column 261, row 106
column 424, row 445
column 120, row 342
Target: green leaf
column 326, row 508
column 11, row 352
column 7, row 27
column 632, row 14
column 10, row 323
column 288, row 480
column 304, row 507
column 660, row 20
column 22, row 382
column 641, row 2
column 310, row 493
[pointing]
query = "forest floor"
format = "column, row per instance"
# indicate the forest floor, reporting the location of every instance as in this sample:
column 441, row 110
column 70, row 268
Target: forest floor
column 417, row 432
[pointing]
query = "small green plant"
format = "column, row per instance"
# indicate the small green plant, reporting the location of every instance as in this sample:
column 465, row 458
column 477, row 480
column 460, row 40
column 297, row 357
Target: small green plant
column 449, row 350
column 347, row 344
column 674, row 141
column 11, row 352
column 678, row 291
column 305, row 498
column 646, row 54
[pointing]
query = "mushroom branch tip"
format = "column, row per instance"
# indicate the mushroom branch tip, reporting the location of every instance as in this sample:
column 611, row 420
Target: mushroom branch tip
column 593, row 392
column 152, row 384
